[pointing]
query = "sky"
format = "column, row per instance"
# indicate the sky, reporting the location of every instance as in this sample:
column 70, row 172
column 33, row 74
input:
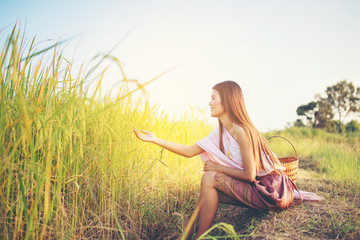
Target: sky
column 281, row 53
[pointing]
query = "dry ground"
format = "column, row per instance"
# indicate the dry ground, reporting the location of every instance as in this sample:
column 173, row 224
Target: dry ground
column 336, row 217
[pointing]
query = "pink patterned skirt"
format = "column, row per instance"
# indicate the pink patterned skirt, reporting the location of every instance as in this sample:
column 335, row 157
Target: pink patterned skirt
column 269, row 192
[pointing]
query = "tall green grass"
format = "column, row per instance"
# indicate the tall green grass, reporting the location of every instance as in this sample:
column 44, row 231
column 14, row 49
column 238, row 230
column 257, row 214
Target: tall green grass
column 70, row 165
column 337, row 156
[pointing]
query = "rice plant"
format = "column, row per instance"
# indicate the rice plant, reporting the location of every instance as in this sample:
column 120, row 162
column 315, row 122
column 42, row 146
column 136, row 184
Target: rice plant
column 70, row 165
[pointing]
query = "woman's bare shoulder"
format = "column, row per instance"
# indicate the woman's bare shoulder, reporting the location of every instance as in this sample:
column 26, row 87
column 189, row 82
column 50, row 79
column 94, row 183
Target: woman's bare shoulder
column 240, row 134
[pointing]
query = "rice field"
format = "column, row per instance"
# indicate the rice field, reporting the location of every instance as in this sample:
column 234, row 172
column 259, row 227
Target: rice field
column 71, row 167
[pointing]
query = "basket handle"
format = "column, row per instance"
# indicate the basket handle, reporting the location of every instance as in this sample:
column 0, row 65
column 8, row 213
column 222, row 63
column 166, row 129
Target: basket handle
column 286, row 140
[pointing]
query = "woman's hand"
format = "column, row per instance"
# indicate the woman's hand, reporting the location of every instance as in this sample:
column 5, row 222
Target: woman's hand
column 212, row 166
column 146, row 136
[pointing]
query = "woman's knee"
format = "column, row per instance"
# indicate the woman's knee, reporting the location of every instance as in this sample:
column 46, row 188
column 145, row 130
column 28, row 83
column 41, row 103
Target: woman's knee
column 208, row 179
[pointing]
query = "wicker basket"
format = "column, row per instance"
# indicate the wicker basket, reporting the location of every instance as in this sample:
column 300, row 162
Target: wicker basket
column 291, row 164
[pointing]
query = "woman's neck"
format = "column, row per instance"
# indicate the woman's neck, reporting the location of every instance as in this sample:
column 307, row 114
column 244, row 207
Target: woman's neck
column 227, row 123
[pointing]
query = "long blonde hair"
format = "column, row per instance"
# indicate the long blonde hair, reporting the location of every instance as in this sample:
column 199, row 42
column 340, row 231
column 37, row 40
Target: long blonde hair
column 232, row 100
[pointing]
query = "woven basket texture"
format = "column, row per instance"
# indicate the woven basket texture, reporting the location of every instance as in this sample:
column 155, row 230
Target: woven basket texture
column 291, row 164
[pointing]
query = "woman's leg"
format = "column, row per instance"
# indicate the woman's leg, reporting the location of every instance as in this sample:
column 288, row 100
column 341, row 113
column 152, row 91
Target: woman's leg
column 207, row 204
column 209, row 200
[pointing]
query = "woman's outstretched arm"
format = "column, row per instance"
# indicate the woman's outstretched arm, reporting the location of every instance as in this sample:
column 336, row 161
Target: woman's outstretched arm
column 183, row 150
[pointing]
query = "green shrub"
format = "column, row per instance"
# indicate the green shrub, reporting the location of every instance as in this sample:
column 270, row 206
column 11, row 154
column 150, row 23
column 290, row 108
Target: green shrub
column 353, row 126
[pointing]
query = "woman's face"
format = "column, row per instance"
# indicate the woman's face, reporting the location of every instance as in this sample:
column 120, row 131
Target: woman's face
column 216, row 107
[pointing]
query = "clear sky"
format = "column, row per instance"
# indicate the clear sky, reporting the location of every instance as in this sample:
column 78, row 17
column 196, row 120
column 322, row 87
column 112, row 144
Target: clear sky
column 281, row 53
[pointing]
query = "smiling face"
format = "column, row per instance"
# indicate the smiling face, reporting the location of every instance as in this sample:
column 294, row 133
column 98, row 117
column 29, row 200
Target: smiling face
column 216, row 107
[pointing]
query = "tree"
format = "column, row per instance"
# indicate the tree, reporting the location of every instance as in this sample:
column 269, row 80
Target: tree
column 324, row 115
column 318, row 114
column 341, row 100
column 344, row 99
column 307, row 110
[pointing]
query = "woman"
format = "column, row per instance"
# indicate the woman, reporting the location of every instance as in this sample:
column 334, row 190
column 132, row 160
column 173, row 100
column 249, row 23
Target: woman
column 239, row 167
